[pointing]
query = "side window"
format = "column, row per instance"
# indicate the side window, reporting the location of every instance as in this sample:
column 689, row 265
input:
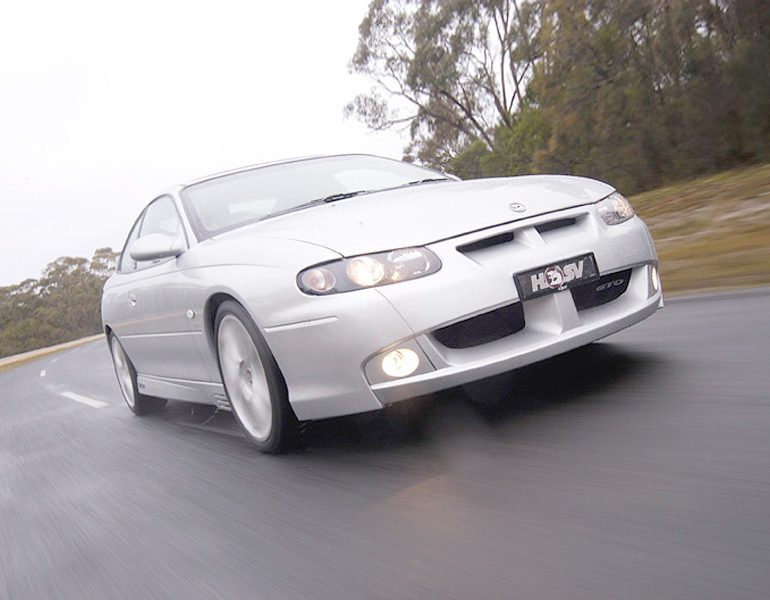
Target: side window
column 160, row 216
column 126, row 262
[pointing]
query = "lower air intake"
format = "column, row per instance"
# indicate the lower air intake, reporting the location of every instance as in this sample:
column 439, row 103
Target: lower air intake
column 482, row 329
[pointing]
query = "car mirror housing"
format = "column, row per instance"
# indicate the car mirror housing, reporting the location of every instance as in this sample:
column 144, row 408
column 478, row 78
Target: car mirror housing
column 155, row 247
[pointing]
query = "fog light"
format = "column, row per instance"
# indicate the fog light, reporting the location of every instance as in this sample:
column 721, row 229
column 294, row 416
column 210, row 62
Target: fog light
column 655, row 278
column 400, row 363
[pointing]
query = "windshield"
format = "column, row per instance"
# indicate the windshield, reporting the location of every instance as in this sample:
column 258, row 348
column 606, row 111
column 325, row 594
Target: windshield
column 230, row 201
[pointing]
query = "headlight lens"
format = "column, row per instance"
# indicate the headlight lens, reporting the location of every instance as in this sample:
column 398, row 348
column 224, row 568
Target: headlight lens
column 368, row 270
column 615, row 209
column 365, row 271
column 320, row 279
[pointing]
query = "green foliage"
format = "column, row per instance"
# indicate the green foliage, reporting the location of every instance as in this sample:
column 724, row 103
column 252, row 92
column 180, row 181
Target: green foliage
column 634, row 92
column 516, row 150
column 64, row 304
column 450, row 70
column 467, row 163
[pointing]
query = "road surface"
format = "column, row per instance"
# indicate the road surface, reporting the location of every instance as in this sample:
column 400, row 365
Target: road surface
column 635, row 468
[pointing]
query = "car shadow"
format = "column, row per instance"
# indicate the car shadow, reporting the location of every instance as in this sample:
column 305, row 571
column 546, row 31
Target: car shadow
column 596, row 373
column 582, row 375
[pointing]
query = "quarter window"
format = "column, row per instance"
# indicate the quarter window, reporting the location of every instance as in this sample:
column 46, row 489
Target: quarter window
column 160, row 216
column 126, row 262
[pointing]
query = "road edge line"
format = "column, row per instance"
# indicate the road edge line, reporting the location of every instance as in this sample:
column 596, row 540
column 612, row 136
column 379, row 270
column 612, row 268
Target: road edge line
column 18, row 359
column 93, row 403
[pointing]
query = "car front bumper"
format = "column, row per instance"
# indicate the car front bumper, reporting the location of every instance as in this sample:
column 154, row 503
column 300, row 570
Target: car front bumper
column 330, row 360
column 553, row 326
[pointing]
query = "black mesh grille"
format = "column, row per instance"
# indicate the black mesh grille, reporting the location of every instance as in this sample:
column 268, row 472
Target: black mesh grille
column 482, row 329
column 605, row 289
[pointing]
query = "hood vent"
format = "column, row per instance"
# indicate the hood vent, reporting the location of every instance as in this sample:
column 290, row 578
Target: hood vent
column 495, row 240
column 558, row 224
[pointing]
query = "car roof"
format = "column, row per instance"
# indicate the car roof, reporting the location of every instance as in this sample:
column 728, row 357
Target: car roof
column 272, row 163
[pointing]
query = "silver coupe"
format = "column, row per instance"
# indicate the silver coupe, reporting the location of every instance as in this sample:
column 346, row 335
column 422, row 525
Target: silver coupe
column 319, row 287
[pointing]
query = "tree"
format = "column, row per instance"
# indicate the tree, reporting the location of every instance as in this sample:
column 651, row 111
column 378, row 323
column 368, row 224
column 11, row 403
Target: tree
column 450, row 70
column 62, row 305
column 640, row 91
column 635, row 92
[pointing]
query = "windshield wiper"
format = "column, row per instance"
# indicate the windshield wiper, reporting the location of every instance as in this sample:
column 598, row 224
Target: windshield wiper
column 428, row 180
column 316, row 202
column 342, row 195
column 293, row 208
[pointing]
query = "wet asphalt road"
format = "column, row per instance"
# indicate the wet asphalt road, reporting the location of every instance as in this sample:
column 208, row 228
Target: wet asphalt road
column 638, row 467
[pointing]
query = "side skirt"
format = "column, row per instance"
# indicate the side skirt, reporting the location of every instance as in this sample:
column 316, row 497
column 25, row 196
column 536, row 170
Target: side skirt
column 201, row 392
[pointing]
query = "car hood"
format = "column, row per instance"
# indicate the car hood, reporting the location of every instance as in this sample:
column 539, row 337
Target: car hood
column 426, row 213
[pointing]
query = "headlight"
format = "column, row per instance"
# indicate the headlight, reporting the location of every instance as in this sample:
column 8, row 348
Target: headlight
column 615, row 209
column 322, row 280
column 368, row 270
column 365, row 271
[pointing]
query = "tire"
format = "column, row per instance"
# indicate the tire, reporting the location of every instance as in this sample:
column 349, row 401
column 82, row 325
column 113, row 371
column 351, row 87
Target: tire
column 253, row 382
column 126, row 373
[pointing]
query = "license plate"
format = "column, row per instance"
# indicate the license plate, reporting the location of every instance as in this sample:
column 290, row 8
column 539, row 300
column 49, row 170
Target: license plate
column 558, row 276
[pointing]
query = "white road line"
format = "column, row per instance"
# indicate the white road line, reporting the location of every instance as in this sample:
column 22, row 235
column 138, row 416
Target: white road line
column 42, row 373
column 84, row 400
column 54, row 360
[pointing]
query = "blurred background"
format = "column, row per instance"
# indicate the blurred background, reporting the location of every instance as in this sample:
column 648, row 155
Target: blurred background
column 633, row 468
column 106, row 104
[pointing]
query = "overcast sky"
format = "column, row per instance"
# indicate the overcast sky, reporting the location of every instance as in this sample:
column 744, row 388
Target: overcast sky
column 103, row 104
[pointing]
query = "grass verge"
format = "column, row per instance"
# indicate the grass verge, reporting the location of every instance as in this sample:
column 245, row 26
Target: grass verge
column 712, row 232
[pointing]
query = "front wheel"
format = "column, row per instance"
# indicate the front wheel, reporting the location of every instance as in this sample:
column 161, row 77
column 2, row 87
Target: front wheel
column 252, row 381
column 124, row 369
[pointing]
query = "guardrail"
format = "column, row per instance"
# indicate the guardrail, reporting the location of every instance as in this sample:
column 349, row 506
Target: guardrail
column 10, row 361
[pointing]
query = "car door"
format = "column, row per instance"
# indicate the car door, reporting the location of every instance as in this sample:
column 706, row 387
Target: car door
column 154, row 325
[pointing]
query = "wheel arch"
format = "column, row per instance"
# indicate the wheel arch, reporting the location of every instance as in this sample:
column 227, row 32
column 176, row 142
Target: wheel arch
column 107, row 334
column 210, row 309
column 209, row 318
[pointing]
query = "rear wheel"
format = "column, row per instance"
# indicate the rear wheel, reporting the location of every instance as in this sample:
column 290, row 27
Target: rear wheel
column 126, row 374
column 253, row 383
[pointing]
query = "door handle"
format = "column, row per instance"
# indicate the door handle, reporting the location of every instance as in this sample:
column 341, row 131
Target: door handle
column 131, row 300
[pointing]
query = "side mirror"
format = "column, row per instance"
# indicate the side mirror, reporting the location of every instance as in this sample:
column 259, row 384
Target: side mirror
column 156, row 246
